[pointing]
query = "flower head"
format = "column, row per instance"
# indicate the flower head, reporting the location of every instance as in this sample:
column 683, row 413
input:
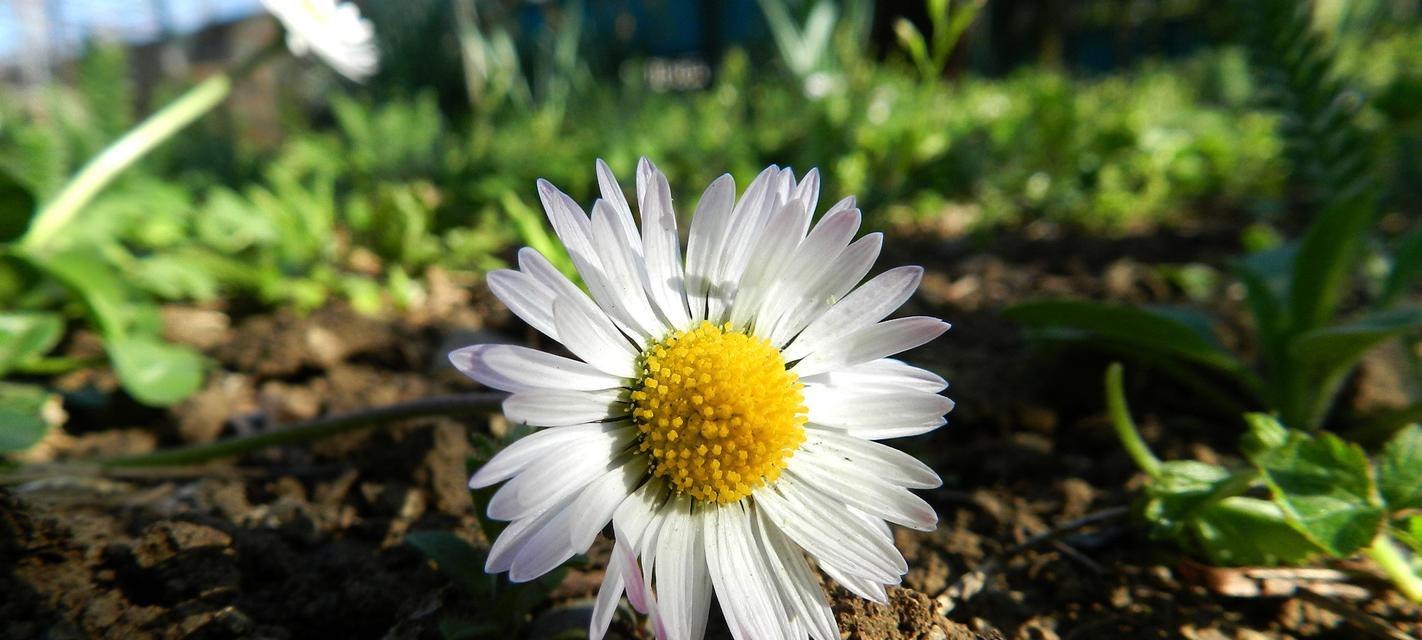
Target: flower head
column 335, row 31
column 722, row 412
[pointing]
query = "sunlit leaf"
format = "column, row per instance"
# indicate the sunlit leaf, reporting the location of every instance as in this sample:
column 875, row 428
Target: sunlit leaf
column 27, row 335
column 1241, row 531
column 22, row 422
column 153, row 372
column 1400, row 470
column 1325, row 488
column 95, row 283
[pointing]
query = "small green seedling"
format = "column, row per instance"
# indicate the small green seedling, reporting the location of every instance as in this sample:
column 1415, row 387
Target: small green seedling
column 1299, row 497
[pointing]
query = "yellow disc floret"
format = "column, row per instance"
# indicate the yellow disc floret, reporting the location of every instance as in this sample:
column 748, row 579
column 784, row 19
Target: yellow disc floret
column 718, row 412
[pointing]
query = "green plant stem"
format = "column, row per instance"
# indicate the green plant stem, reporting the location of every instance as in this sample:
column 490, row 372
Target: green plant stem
column 55, row 365
column 456, row 404
column 53, row 217
column 1395, row 565
column 1126, row 427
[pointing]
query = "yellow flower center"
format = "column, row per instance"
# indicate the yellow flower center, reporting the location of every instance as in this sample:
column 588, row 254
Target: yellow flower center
column 718, row 412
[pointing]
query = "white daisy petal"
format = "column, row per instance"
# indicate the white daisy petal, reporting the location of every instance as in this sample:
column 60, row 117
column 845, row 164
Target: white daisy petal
column 860, row 586
column 683, row 585
column 751, row 606
column 824, row 244
column 571, row 225
column 748, row 217
column 830, row 285
column 557, row 408
column 518, row 535
column 870, row 303
column 870, row 343
column 807, row 193
column 513, row 368
column 703, row 245
column 591, row 336
column 904, row 431
column 613, row 583
column 534, row 490
column 826, row 530
column 871, row 457
column 660, row 245
column 601, row 499
column 612, row 193
column 772, row 254
column 847, row 203
column 624, row 276
column 850, row 408
column 529, row 300
column 884, row 373
column 546, row 447
column 545, row 550
column 865, row 492
column 335, row 31
column 798, row 589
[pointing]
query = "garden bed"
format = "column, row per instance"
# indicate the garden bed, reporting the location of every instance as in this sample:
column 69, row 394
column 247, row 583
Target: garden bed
column 1034, row 538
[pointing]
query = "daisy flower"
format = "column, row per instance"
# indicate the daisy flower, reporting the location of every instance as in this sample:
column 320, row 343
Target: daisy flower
column 335, row 31
column 722, row 412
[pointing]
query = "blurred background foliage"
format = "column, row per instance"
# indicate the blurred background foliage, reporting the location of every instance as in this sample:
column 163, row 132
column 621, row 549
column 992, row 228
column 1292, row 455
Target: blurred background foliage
column 967, row 118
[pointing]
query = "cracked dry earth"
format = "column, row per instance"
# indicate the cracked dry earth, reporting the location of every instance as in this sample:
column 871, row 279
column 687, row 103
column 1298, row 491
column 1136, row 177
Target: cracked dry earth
column 307, row 542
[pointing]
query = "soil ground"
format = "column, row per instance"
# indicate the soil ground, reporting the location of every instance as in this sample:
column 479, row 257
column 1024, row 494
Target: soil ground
column 307, row 541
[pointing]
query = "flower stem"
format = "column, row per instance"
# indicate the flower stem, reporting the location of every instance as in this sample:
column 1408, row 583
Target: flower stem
column 1395, row 565
column 1126, row 429
column 456, row 404
column 130, row 148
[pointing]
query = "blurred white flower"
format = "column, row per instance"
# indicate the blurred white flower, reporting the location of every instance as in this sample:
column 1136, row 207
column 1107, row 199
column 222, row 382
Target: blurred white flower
column 724, row 409
column 336, row 32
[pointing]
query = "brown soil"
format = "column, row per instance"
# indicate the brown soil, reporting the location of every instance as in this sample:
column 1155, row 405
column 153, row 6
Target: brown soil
column 307, row 542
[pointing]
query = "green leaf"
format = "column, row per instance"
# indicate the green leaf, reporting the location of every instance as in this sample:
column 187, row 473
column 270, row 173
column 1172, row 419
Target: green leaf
column 1342, row 345
column 1327, row 256
column 17, row 206
column 1400, row 470
column 1409, row 531
column 1265, row 276
column 22, row 422
column 95, row 282
column 1406, row 266
column 1240, row 531
column 1127, row 327
column 1324, row 486
column 24, row 336
column 1179, row 488
column 456, row 559
column 153, row 372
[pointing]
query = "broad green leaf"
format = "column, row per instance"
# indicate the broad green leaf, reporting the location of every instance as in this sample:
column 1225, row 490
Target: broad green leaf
column 1325, row 488
column 1406, row 266
column 1240, row 531
column 95, row 283
column 1177, row 491
column 17, row 206
column 1327, row 256
column 22, row 422
column 27, row 335
column 456, row 559
column 1265, row 434
column 153, row 372
column 1123, row 326
column 1342, row 345
column 1400, row 470
column 1265, row 276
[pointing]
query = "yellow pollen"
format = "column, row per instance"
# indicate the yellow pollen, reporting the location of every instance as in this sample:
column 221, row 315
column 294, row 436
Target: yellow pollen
column 718, row 412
